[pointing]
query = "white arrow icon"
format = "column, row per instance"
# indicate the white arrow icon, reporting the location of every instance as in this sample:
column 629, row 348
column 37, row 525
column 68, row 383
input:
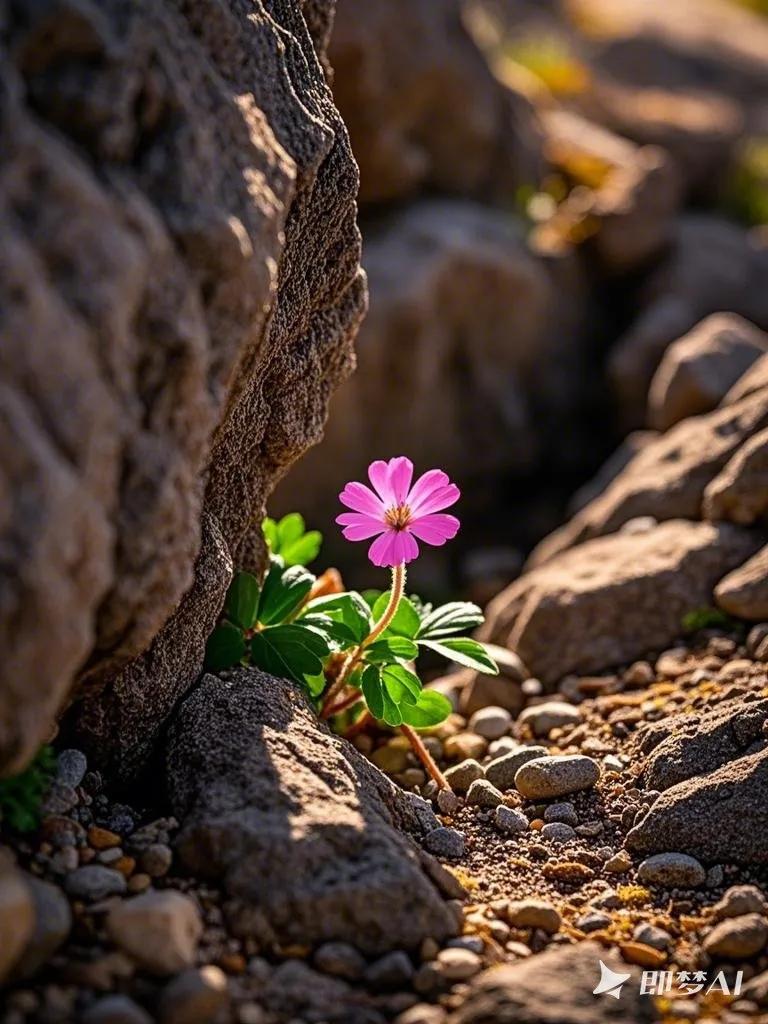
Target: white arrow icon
column 610, row 982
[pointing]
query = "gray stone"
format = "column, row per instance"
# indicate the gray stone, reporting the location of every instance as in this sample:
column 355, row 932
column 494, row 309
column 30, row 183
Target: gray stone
column 564, row 812
column 651, row 935
column 53, row 920
column 95, row 882
column 491, row 723
column 672, row 871
column 445, row 842
column 482, row 794
column 462, row 775
column 340, row 959
column 71, row 766
column 557, row 832
column 116, row 1010
column 541, row 719
column 510, row 820
column 390, row 971
column 158, row 930
column 555, row 776
column 502, row 770
column 298, row 827
column 195, row 996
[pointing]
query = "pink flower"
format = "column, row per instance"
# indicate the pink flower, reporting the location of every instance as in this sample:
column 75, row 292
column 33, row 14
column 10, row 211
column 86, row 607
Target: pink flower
column 396, row 513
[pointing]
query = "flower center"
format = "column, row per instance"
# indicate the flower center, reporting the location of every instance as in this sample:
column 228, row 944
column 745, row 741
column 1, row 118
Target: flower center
column 398, row 517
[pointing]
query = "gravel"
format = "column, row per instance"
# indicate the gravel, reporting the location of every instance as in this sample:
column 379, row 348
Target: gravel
column 445, row 842
column 502, row 770
column 482, row 794
column 510, row 820
column 672, row 871
column 548, row 777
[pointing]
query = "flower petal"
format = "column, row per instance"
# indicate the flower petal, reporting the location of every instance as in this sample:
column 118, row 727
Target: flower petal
column 380, row 552
column 362, row 499
column 428, row 482
column 400, row 476
column 404, row 547
column 378, row 474
column 435, row 529
column 359, row 526
column 436, row 500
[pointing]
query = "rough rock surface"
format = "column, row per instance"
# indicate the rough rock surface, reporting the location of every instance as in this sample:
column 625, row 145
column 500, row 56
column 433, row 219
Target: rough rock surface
column 180, row 289
column 698, row 370
column 744, row 592
column 295, row 822
column 712, row 265
column 423, row 109
column 683, row 746
column 554, row 987
column 616, row 598
column 668, row 478
column 740, row 491
column 714, row 817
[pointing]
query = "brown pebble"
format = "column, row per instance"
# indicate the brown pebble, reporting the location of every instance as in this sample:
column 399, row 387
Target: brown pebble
column 126, row 865
column 232, row 963
column 139, row 883
column 568, row 871
column 102, row 838
column 86, row 854
column 537, row 824
column 642, row 955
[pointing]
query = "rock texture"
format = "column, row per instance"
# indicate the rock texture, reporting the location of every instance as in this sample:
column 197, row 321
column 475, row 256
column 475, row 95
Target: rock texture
column 295, row 822
column 740, row 491
column 698, row 370
column 616, row 598
column 179, row 290
column 744, row 592
column 423, row 109
column 554, row 987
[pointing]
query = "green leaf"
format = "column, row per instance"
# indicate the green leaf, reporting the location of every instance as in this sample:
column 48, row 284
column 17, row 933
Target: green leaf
column 304, row 550
column 391, row 648
column 379, row 701
column 707, row 618
column 225, row 647
column 370, row 597
column 430, row 709
column 283, row 591
column 315, row 684
column 21, row 795
column 402, row 686
column 269, row 527
column 331, row 627
column 451, row 618
column 464, row 651
column 242, row 600
column 405, row 621
column 348, row 608
column 289, row 529
column 290, row 651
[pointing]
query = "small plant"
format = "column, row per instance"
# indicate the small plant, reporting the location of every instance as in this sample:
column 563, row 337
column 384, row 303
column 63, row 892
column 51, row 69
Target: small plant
column 347, row 649
column 708, row 618
column 746, row 192
column 22, row 795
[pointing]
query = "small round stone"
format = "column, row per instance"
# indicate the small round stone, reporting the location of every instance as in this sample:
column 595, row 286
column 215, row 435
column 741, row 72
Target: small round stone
column 558, row 832
column 533, row 914
column 737, row 937
column 458, row 964
column 461, row 776
column 71, row 766
column 341, row 960
column 94, row 882
column 672, row 871
column 651, row 935
column 465, row 745
column 739, row 900
column 593, row 921
column 156, row 860
column 491, row 723
column 445, row 842
column 159, row 930
column 447, row 802
column 391, row 971
column 541, row 719
column 482, row 794
column 510, row 820
column 559, row 775
column 563, row 812
column 116, row 1010
column 195, row 996
column 502, row 770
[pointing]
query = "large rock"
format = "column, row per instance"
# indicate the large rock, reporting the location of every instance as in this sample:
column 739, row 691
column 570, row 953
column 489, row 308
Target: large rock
column 740, row 491
column 719, row 817
column 423, row 109
column 179, row 291
column 712, row 265
column 614, row 599
column 17, row 915
column 668, row 477
column 744, row 592
column 698, row 370
column 299, row 827
column 554, row 987
column 482, row 320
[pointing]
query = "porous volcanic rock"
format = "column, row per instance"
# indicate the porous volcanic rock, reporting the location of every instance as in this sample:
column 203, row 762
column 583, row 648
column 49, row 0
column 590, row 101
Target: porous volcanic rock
column 298, row 826
column 614, row 599
column 180, row 288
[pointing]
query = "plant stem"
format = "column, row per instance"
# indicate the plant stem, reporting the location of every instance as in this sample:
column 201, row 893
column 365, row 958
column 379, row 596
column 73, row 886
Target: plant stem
column 424, row 756
column 346, row 700
column 398, row 587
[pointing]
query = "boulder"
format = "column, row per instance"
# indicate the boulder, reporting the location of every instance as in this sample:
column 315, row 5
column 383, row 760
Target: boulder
column 744, row 592
column 423, row 109
column 720, row 817
column 667, row 479
column 711, row 265
column 554, row 987
column 612, row 600
column 740, row 491
column 179, row 292
column 698, row 370
column 300, row 829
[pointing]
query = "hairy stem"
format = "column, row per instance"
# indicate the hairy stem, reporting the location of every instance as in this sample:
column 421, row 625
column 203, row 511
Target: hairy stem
column 424, row 756
column 398, row 588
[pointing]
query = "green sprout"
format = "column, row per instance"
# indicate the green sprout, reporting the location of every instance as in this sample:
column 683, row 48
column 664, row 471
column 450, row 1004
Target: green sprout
column 21, row 795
